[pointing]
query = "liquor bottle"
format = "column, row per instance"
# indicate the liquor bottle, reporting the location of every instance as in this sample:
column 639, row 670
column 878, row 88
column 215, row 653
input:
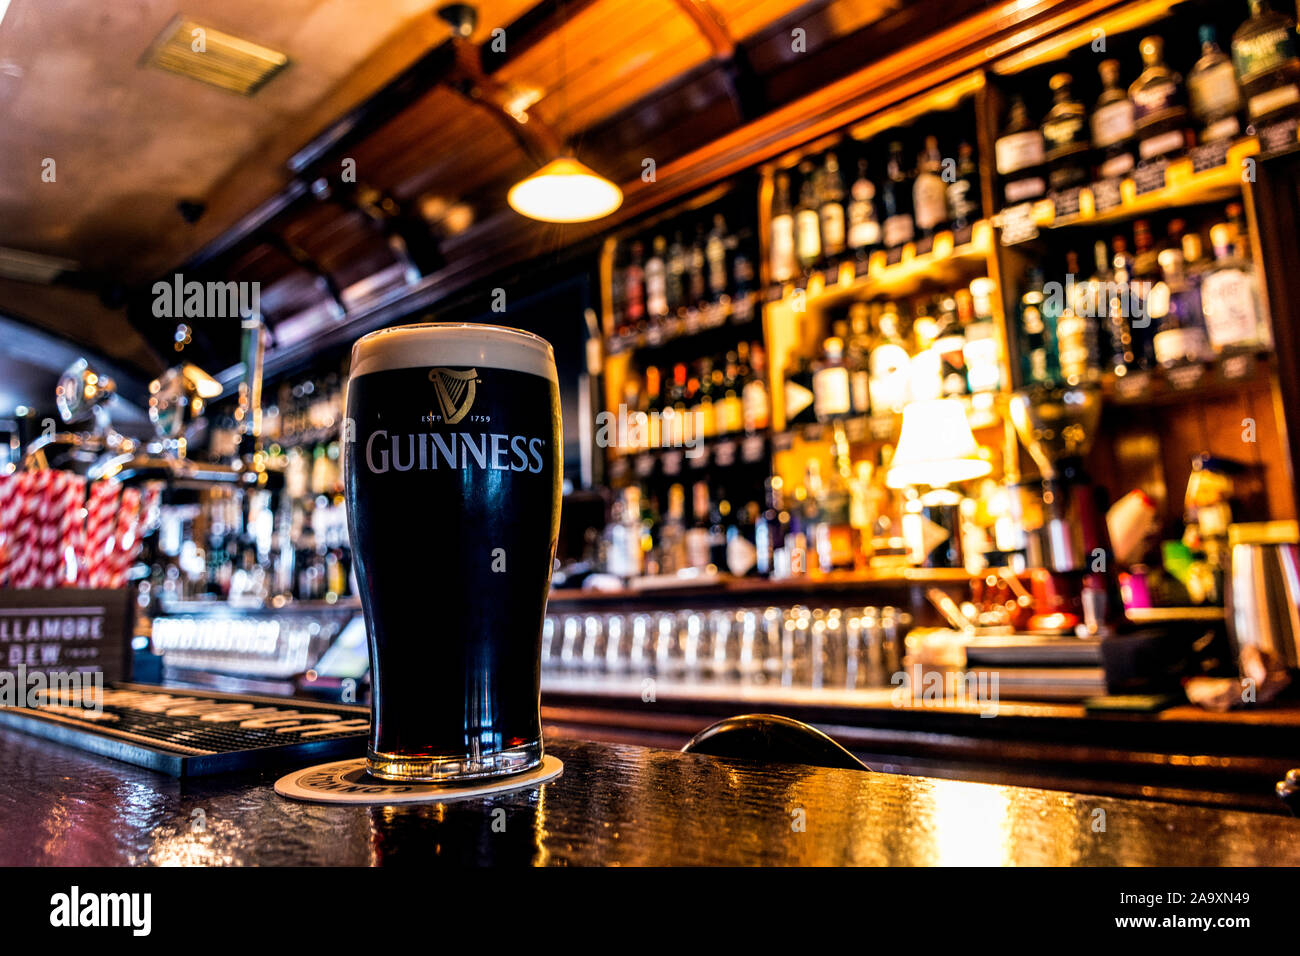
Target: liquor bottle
column 857, row 356
column 698, row 552
column 1268, row 69
column 729, row 407
column 835, row 539
column 929, row 192
column 715, row 254
column 675, row 427
column 890, row 366
column 980, row 347
column 1116, row 295
column 1144, row 275
column 896, row 198
column 720, row 520
column 1230, row 298
column 755, row 404
column 1018, row 155
column 1112, row 125
column 1065, row 136
column 672, row 533
column 703, row 415
column 783, row 263
column 807, row 219
column 656, row 280
column 769, row 531
column 675, row 280
column 697, row 269
column 1159, row 115
column 1035, row 348
column 964, row 191
column 1213, row 91
column 949, row 347
column 831, row 397
column 864, row 226
column 1174, row 308
column 832, row 208
column 1072, row 352
column 634, row 287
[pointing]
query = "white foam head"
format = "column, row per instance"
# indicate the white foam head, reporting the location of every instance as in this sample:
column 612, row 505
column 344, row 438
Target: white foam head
column 460, row 344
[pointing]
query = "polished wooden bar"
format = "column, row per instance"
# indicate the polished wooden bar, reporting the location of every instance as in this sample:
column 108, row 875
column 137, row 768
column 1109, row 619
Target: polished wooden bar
column 613, row 805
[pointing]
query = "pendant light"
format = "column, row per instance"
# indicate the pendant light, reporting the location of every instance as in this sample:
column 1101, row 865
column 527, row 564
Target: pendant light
column 565, row 189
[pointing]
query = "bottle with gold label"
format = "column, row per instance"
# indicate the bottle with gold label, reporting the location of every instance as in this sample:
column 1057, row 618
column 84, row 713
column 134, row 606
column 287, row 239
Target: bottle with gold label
column 1230, row 298
column 1268, row 68
column 1018, row 154
column 1112, row 125
column 1065, row 136
column 1212, row 88
column 1159, row 113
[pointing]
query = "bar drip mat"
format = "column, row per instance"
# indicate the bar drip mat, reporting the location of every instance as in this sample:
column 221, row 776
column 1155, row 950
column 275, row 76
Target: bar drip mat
column 346, row 781
column 192, row 733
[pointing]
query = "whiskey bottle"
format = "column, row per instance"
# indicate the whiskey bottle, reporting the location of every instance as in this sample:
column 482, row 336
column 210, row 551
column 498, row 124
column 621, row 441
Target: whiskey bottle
column 964, row 191
column 656, row 280
column 634, row 287
column 783, row 265
column 831, row 395
column 899, row 226
column 1268, row 69
column 807, row 220
column 1159, row 115
column 864, row 226
column 1213, row 91
column 929, row 192
column 715, row 255
column 1018, row 154
column 1112, row 125
column 832, row 209
column 890, row 366
column 1065, row 136
column 1230, row 298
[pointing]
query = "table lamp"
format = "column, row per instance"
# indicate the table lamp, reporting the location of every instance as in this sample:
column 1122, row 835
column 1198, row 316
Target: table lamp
column 935, row 449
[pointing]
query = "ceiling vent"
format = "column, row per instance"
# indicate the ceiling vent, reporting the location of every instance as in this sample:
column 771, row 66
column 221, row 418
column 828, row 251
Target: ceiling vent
column 213, row 57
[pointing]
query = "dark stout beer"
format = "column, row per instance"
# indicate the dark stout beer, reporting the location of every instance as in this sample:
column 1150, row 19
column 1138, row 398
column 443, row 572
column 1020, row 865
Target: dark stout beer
column 452, row 466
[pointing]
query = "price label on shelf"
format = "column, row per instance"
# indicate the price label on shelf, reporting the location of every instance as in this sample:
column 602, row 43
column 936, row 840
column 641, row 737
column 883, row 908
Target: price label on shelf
column 1016, row 224
column 1150, row 176
column 1210, row 156
column 1107, row 194
column 1066, row 202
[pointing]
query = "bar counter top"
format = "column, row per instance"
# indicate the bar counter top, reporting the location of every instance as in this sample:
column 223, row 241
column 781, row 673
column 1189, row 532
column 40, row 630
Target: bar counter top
column 613, row 805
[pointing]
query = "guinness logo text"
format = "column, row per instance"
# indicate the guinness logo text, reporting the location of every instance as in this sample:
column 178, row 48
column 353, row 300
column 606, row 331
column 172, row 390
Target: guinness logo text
column 454, row 391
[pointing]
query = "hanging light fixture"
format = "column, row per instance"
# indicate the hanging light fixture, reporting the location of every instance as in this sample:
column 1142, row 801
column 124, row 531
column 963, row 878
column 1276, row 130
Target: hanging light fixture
column 564, row 190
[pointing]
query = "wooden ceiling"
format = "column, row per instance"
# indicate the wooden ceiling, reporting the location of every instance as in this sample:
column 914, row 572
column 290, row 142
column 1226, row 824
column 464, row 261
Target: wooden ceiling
column 620, row 80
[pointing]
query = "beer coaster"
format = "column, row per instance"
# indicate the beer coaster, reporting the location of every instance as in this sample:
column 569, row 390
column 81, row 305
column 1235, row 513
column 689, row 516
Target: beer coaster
column 346, row 781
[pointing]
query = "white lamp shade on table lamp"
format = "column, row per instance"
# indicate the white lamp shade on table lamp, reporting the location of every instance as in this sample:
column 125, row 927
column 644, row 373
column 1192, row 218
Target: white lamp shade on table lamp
column 935, row 447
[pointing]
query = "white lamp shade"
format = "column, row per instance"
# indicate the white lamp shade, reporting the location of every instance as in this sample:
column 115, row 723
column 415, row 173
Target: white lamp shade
column 936, row 447
column 564, row 190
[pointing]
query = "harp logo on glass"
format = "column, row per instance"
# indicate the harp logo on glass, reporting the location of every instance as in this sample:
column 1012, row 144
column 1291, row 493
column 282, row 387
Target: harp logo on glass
column 454, row 391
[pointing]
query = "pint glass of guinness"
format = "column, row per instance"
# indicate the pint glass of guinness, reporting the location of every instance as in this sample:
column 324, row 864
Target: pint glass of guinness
column 452, row 468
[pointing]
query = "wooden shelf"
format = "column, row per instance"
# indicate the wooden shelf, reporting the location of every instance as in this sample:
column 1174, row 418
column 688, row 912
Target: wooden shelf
column 727, row 586
column 1226, row 375
column 943, row 262
column 1184, row 186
